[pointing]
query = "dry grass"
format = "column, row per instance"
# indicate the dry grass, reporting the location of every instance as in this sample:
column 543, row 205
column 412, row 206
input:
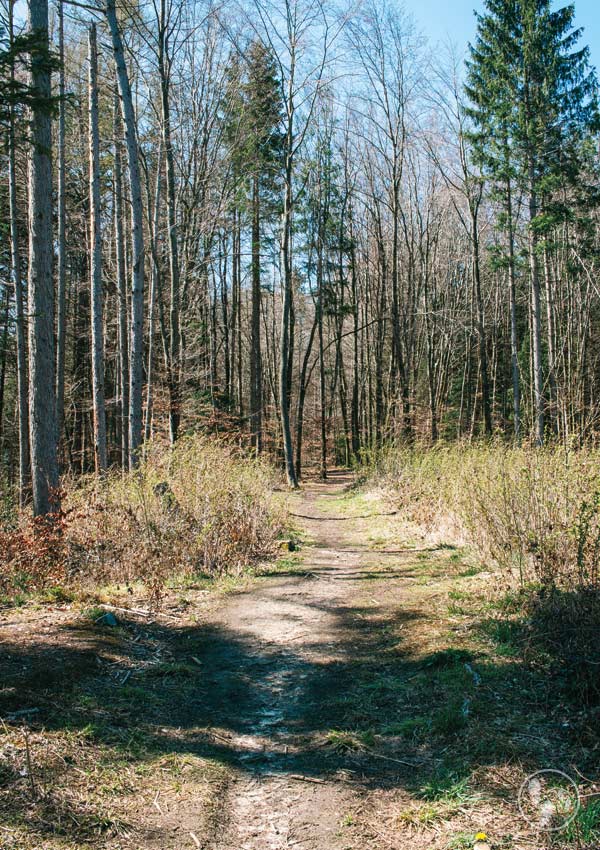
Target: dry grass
column 201, row 507
column 534, row 513
column 534, row 517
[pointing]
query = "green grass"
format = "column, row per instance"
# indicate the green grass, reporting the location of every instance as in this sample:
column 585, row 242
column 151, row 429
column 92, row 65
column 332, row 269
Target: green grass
column 585, row 827
column 449, row 720
column 451, row 657
column 407, row 728
column 171, row 668
column 469, row 572
column 343, row 741
column 447, row 787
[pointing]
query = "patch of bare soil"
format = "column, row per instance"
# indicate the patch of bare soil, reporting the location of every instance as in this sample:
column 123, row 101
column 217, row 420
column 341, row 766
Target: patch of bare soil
column 361, row 693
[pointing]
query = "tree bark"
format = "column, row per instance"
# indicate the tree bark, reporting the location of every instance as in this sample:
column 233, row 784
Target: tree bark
column 514, row 339
column 137, row 239
column 256, row 353
column 174, row 365
column 287, row 285
column 61, row 321
column 536, row 316
column 15, row 264
column 42, row 401
column 100, row 451
column 123, row 331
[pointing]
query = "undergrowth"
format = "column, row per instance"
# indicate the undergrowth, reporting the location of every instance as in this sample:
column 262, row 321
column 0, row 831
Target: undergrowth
column 202, row 506
column 531, row 514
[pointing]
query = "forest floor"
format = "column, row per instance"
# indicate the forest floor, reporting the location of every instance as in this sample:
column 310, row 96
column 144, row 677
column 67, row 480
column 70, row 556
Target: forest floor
column 364, row 692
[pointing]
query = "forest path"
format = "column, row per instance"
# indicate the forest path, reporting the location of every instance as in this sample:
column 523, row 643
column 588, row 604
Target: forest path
column 358, row 694
column 302, row 632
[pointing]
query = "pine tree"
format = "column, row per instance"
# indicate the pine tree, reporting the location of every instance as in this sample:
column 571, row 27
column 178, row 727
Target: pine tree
column 533, row 101
column 258, row 159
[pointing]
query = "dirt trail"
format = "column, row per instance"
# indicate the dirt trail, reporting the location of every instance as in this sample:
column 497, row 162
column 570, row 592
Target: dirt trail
column 362, row 693
column 291, row 794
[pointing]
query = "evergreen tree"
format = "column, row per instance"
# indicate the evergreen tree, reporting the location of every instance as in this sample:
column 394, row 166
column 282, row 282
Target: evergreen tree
column 533, row 102
column 258, row 160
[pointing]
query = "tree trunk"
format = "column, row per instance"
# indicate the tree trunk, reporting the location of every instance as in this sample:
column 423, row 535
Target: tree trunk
column 42, row 401
column 137, row 238
column 123, row 334
column 174, row 365
column 15, row 262
column 3, row 353
column 284, row 351
column 514, row 340
column 255, row 353
column 61, row 323
column 536, row 317
column 100, row 452
column 483, row 360
column 302, row 398
column 154, row 292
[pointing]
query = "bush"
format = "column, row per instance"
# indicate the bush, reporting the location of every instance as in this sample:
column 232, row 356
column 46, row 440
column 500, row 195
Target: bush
column 534, row 512
column 200, row 507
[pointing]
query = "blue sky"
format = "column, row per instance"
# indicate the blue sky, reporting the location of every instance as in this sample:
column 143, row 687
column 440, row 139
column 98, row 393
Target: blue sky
column 440, row 19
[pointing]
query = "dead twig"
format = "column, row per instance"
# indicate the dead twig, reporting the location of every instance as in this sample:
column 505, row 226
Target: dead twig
column 156, row 804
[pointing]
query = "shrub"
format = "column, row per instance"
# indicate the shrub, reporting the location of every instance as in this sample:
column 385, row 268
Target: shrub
column 200, row 507
column 534, row 512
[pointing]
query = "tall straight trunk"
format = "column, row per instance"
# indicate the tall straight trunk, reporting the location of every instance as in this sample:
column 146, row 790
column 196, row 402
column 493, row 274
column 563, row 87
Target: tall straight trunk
column 514, row 340
column 3, row 353
column 355, row 420
column 42, row 400
column 431, row 360
column 237, row 280
column 61, row 322
column 174, row 365
column 302, row 397
column 286, row 316
column 226, row 318
column 481, row 336
column 136, row 370
column 15, row 266
column 256, row 353
column 536, row 316
column 100, row 451
column 398, row 369
column 123, row 334
column 322, row 389
column 154, row 292
column 552, row 400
